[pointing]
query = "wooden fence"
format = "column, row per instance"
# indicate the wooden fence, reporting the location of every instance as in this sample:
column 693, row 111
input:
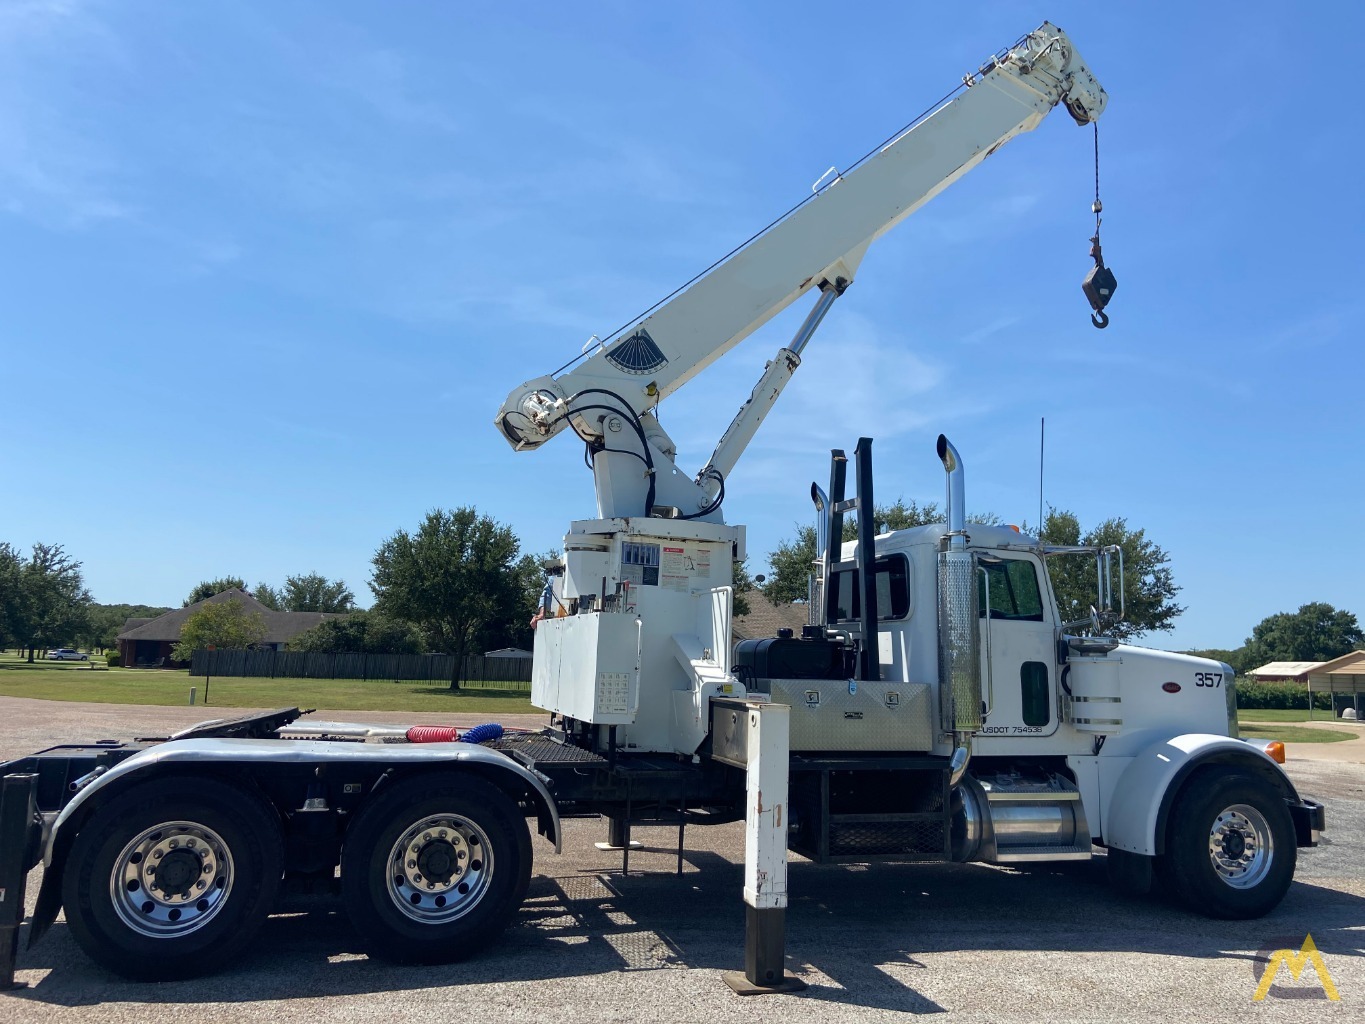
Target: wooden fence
column 474, row 672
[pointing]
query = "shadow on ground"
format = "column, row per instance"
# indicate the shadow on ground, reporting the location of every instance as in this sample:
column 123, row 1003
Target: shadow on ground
column 846, row 925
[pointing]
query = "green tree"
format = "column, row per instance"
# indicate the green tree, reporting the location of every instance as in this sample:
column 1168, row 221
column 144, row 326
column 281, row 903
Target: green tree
column 223, row 624
column 744, row 582
column 105, row 622
column 1149, row 588
column 312, row 592
column 512, row 626
column 902, row 516
column 460, row 577
column 360, row 633
column 11, row 594
column 269, row 596
column 790, row 567
column 1316, row 632
column 511, row 622
column 45, row 600
column 1237, row 659
column 791, row 563
column 207, row 588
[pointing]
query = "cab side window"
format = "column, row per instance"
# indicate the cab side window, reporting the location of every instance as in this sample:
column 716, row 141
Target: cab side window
column 893, row 591
column 1013, row 590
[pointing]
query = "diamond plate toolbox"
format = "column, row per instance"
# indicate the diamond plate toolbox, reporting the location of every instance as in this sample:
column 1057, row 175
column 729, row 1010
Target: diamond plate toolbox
column 835, row 714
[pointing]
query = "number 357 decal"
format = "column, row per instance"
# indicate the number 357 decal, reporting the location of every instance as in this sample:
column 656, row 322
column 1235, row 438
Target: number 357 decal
column 1208, row 679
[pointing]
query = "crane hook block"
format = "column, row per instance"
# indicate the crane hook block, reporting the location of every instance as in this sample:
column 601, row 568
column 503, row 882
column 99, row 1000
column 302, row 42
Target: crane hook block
column 1099, row 286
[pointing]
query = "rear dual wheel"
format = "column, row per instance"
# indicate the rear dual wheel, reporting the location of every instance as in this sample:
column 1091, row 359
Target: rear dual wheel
column 434, row 867
column 172, row 878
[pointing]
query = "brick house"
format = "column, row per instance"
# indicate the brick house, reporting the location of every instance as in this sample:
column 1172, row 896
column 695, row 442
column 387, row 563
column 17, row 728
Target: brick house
column 148, row 643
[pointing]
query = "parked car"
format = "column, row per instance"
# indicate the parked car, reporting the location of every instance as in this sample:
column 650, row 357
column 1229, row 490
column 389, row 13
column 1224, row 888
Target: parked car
column 67, row 654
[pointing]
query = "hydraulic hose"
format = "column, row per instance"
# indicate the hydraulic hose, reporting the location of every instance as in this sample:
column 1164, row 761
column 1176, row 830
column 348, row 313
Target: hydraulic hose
column 451, row 734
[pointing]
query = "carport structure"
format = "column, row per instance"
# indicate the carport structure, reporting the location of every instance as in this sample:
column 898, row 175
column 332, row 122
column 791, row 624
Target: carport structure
column 1344, row 675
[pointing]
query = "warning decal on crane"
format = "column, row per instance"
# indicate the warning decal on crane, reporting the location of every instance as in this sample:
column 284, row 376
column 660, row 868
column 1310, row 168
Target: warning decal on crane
column 684, row 568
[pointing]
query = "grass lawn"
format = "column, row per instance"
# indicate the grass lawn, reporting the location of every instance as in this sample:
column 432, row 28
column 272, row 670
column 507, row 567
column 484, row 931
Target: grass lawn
column 1291, row 733
column 1268, row 715
column 75, row 680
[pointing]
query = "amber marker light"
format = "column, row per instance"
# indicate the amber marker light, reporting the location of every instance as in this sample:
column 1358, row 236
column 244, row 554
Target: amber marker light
column 1275, row 751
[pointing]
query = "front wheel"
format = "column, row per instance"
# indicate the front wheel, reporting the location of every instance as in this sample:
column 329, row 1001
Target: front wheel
column 435, row 867
column 172, row 878
column 1230, row 848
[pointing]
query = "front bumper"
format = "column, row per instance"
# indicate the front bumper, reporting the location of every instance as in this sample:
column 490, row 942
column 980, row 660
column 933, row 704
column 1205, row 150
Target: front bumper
column 1310, row 819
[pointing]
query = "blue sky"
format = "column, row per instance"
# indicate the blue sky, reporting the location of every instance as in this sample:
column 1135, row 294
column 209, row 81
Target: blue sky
column 268, row 270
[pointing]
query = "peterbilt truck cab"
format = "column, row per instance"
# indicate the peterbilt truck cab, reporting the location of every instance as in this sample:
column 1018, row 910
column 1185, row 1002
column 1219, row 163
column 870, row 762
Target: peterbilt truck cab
column 1062, row 738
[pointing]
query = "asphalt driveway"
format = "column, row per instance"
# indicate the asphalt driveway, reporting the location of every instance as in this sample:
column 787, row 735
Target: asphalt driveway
column 875, row 942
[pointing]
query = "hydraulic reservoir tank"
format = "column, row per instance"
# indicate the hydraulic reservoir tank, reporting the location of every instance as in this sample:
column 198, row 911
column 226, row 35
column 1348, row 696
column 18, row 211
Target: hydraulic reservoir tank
column 787, row 657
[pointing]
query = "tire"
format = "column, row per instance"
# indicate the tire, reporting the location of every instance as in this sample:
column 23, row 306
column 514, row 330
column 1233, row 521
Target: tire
column 435, row 867
column 126, row 916
column 1230, row 846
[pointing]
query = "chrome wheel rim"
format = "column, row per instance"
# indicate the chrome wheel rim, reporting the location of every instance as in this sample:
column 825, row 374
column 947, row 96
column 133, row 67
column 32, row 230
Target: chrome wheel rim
column 439, row 868
column 171, row 879
column 1241, row 846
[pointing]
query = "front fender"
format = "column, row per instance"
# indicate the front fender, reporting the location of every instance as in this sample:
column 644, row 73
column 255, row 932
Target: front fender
column 1135, row 813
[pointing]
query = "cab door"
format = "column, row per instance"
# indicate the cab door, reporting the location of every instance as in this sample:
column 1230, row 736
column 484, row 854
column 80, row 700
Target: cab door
column 1018, row 659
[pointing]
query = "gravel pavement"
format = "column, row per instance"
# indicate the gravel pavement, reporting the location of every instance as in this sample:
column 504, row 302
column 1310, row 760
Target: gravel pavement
column 874, row 942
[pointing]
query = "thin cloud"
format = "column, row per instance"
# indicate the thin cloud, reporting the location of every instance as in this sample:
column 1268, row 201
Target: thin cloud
column 857, row 379
column 51, row 170
column 391, row 88
column 980, row 222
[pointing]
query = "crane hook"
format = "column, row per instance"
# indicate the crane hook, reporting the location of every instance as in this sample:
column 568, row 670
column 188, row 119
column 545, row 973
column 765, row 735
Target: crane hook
column 1099, row 285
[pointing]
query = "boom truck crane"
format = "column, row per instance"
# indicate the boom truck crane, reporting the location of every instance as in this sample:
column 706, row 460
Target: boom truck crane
column 939, row 707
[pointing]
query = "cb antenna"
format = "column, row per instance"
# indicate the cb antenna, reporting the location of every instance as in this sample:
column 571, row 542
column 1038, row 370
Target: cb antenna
column 1042, row 435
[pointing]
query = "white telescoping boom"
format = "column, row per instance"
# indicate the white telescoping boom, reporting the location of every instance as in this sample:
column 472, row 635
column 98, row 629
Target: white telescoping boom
column 607, row 395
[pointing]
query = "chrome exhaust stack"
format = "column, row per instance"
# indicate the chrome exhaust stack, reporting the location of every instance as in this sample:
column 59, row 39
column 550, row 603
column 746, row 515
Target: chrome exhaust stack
column 815, row 591
column 957, row 512
column 959, row 629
